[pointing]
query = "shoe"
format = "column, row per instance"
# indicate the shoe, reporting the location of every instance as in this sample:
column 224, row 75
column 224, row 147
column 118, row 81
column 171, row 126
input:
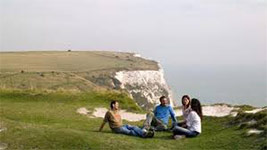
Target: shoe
column 152, row 129
column 146, row 127
column 177, row 137
column 144, row 130
column 149, row 134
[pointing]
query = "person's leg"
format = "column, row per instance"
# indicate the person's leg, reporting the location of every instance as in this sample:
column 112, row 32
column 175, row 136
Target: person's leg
column 134, row 130
column 131, row 130
column 183, row 131
column 138, row 131
column 181, row 124
column 149, row 118
column 125, row 130
column 159, row 125
column 151, row 121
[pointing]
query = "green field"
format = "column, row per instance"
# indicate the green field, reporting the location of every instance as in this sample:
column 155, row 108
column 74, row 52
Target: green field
column 78, row 71
column 72, row 61
column 40, row 120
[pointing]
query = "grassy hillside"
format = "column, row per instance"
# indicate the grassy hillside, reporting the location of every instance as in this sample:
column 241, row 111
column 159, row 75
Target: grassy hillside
column 42, row 113
column 80, row 71
column 38, row 120
column 72, row 61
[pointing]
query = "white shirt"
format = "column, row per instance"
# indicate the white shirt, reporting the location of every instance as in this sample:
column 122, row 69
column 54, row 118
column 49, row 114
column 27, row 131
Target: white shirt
column 185, row 112
column 193, row 122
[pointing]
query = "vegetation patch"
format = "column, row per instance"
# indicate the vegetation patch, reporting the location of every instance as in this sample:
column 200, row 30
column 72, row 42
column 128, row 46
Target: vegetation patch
column 48, row 120
column 252, row 125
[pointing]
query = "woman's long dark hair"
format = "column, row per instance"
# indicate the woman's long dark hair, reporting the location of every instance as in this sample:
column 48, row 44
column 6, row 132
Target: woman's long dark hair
column 186, row 96
column 196, row 106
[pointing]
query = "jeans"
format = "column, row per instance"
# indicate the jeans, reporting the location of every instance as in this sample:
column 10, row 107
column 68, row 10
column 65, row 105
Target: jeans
column 183, row 131
column 130, row 130
column 151, row 120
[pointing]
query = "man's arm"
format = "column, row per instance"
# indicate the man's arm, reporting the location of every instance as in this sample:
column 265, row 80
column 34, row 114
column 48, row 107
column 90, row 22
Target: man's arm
column 102, row 126
column 172, row 115
column 106, row 118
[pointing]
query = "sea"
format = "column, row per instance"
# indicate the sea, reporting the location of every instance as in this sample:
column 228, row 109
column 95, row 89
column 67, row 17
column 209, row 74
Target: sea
column 235, row 85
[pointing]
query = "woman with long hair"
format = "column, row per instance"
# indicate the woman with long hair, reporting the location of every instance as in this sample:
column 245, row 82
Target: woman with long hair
column 193, row 122
column 186, row 108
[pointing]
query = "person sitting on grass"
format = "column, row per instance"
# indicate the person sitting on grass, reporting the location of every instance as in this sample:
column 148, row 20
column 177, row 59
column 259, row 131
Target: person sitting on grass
column 186, row 108
column 193, row 122
column 159, row 118
column 113, row 117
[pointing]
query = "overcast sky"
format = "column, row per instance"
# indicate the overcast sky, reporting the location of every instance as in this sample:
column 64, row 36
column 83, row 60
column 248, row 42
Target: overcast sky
column 172, row 31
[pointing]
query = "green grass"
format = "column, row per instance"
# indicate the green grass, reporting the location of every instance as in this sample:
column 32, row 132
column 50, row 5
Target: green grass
column 78, row 71
column 260, row 119
column 46, row 80
column 72, row 61
column 39, row 120
column 244, row 108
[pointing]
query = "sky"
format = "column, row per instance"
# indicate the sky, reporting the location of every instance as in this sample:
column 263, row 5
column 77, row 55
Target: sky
column 181, row 32
column 214, row 50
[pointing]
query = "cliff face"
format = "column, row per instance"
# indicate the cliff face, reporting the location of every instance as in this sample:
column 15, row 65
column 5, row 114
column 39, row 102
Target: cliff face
column 145, row 87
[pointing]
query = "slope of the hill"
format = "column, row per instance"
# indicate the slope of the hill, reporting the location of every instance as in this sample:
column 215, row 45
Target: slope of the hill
column 72, row 61
column 38, row 120
column 142, row 79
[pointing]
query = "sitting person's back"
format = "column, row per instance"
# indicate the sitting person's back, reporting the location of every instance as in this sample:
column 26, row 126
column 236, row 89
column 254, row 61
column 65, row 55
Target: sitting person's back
column 193, row 122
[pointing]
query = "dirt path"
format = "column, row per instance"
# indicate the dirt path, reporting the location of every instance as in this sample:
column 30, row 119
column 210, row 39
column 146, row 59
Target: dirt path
column 215, row 110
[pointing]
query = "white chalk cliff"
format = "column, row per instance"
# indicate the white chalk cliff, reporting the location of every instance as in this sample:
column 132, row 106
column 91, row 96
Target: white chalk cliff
column 145, row 86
